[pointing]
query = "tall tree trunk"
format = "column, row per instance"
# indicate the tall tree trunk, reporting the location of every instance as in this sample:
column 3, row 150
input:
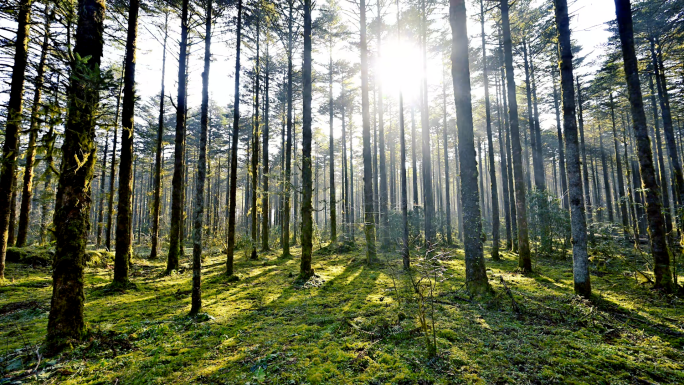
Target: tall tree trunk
column 159, row 152
column 414, row 158
column 305, row 269
column 446, row 161
column 561, row 149
column 175, row 236
column 265, row 206
column 476, row 276
column 509, row 156
column 539, row 182
column 13, row 127
column 504, row 180
column 288, row 156
column 664, row 183
column 112, row 170
column 524, row 261
column 230, row 250
column 585, row 172
column 333, row 198
column 658, row 238
column 606, row 183
column 255, row 138
column 66, row 320
column 201, row 172
column 490, row 143
column 578, row 223
column 384, row 187
column 405, row 253
column 620, row 181
column 102, row 193
column 663, row 96
column 428, row 196
column 124, row 218
column 27, row 191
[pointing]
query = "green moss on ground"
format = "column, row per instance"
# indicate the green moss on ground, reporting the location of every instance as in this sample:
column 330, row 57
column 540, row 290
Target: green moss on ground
column 345, row 326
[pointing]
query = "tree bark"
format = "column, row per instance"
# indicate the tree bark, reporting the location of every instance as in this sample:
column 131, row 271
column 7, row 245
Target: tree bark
column 27, row 191
column 428, row 196
column 124, row 218
column 10, row 148
column 490, row 143
column 524, row 260
column 578, row 223
column 476, row 276
column 230, row 249
column 305, row 269
column 66, row 320
column 658, row 238
column 175, row 236
column 196, row 304
column 159, row 153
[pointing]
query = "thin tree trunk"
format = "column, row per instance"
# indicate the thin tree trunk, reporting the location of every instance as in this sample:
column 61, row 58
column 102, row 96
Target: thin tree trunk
column 112, row 171
column 13, row 128
column 428, row 196
column 124, row 218
column 524, row 261
column 196, row 305
column 620, row 181
column 27, row 191
column 159, row 153
column 490, row 143
column 175, row 236
column 230, row 252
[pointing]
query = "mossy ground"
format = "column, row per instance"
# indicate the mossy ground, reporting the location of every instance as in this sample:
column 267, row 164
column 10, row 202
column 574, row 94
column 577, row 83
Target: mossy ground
column 346, row 327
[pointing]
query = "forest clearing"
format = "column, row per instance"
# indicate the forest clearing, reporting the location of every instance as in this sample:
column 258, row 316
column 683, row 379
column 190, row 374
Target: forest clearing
column 344, row 192
column 347, row 327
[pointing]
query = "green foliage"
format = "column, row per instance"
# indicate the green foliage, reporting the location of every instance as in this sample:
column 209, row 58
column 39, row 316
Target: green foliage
column 547, row 218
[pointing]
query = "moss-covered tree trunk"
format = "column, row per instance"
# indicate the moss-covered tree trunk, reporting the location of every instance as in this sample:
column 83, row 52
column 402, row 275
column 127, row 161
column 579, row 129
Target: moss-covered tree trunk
column 656, row 222
column 13, row 126
column 580, row 258
column 124, row 218
column 476, row 276
column 27, row 190
column 66, row 320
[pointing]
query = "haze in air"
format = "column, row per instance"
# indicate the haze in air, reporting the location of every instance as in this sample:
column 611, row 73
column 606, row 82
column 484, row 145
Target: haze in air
column 400, row 192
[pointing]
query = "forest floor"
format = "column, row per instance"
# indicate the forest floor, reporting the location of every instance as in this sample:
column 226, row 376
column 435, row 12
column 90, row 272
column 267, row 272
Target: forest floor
column 346, row 326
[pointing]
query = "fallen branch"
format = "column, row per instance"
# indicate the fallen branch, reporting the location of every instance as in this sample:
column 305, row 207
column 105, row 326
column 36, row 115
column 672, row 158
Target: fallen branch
column 516, row 307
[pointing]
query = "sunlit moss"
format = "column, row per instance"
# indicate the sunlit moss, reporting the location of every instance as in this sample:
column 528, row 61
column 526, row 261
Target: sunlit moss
column 264, row 328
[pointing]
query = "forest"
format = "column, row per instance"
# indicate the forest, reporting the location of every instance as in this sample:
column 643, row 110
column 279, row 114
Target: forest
column 342, row 191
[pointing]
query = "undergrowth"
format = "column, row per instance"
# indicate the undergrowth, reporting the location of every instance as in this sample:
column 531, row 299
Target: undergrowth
column 345, row 326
